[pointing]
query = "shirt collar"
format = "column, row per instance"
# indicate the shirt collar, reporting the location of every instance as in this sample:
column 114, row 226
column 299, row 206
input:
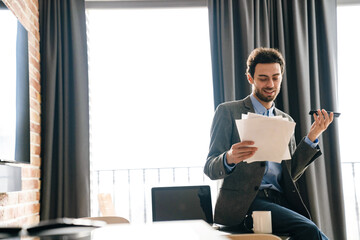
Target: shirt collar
column 260, row 109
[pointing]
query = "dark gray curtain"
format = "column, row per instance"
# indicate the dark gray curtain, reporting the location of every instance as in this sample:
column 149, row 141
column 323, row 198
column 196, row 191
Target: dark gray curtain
column 65, row 110
column 305, row 32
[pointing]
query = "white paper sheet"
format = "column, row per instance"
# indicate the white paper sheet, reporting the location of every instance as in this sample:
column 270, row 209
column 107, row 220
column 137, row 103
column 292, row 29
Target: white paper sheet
column 271, row 136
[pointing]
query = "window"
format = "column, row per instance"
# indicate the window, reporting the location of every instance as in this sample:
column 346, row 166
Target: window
column 8, row 85
column 151, row 101
column 349, row 84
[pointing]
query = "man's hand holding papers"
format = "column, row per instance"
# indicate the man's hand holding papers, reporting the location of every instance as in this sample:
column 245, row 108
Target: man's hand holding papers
column 270, row 135
column 240, row 152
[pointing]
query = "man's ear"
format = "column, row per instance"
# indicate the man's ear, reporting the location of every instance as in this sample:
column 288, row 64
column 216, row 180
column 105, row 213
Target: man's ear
column 250, row 79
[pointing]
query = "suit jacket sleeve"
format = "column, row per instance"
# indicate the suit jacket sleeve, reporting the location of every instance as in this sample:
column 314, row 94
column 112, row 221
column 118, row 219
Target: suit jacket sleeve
column 302, row 156
column 220, row 142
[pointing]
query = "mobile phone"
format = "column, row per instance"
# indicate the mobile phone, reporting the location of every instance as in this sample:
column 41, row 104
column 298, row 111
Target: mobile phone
column 336, row 114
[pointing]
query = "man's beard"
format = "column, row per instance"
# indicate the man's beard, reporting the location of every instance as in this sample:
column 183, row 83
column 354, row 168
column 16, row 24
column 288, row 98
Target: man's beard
column 265, row 98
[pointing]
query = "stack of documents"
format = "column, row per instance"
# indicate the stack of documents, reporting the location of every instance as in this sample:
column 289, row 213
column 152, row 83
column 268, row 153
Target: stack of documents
column 271, row 136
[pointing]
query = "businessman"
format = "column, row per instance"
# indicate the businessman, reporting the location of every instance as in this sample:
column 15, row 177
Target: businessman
column 261, row 186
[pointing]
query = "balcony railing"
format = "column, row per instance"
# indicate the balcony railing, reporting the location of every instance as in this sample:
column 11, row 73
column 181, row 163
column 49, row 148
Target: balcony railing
column 131, row 190
column 351, row 187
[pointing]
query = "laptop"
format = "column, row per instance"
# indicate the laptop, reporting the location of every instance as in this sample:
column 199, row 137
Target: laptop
column 182, row 203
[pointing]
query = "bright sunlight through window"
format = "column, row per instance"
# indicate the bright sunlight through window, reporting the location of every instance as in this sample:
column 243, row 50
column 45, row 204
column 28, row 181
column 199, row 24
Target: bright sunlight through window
column 349, row 83
column 151, row 103
column 150, row 87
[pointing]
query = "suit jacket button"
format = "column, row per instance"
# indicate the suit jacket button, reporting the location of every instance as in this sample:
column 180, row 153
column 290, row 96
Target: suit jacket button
column 221, row 173
column 256, row 188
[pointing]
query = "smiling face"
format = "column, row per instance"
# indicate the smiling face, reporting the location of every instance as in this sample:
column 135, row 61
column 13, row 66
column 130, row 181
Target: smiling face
column 266, row 82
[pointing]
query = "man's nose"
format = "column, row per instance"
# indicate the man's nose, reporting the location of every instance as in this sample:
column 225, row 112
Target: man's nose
column 270, row 83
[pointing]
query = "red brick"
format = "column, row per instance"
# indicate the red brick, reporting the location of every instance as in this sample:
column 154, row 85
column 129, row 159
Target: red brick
column 32, row 208
column 17, row 10
column 30, row 184
column 35, row 161
column 34, row 42
column 34, row 149
column 7, row 213
column 2, row 214
column 35, row 105
column 34, row 19
column 20, row 210
column 3, row 199
column 38, row 195
column 10, row 198
column 32, row 92
column 37, row 96
column 32, row 220
column 30, row 172
column 35, row 138
column 28, row 196
column 21, row 4
column 35, row 127
column 36, row 3
column 35, row 208
column 35, row 117
column 35, row 84
column 34, row 62
column 34, row 74
column 37, row 75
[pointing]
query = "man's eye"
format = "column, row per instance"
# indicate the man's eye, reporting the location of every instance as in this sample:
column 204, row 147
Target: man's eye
column 262, row 79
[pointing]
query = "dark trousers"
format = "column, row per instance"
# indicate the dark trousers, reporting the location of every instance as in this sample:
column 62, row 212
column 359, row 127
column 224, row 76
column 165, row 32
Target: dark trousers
column 284, row 220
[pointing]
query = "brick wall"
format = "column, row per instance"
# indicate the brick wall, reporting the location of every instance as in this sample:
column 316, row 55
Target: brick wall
column 22, row 208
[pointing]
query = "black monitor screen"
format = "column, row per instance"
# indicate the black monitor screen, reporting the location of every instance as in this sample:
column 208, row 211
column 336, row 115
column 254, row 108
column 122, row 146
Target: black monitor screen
column 182, row 203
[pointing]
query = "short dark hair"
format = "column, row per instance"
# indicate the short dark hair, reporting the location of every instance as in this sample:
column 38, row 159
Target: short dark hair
column 264, row 55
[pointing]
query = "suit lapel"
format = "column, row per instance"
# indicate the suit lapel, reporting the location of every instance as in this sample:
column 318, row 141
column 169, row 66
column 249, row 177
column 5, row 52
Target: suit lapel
column 248, row 104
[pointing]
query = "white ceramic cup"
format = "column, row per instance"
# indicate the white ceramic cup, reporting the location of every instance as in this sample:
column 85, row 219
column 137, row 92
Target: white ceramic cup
column 262, row 222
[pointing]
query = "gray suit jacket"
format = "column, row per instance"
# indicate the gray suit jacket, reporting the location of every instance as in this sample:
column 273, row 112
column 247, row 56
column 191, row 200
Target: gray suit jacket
column 239, row 187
